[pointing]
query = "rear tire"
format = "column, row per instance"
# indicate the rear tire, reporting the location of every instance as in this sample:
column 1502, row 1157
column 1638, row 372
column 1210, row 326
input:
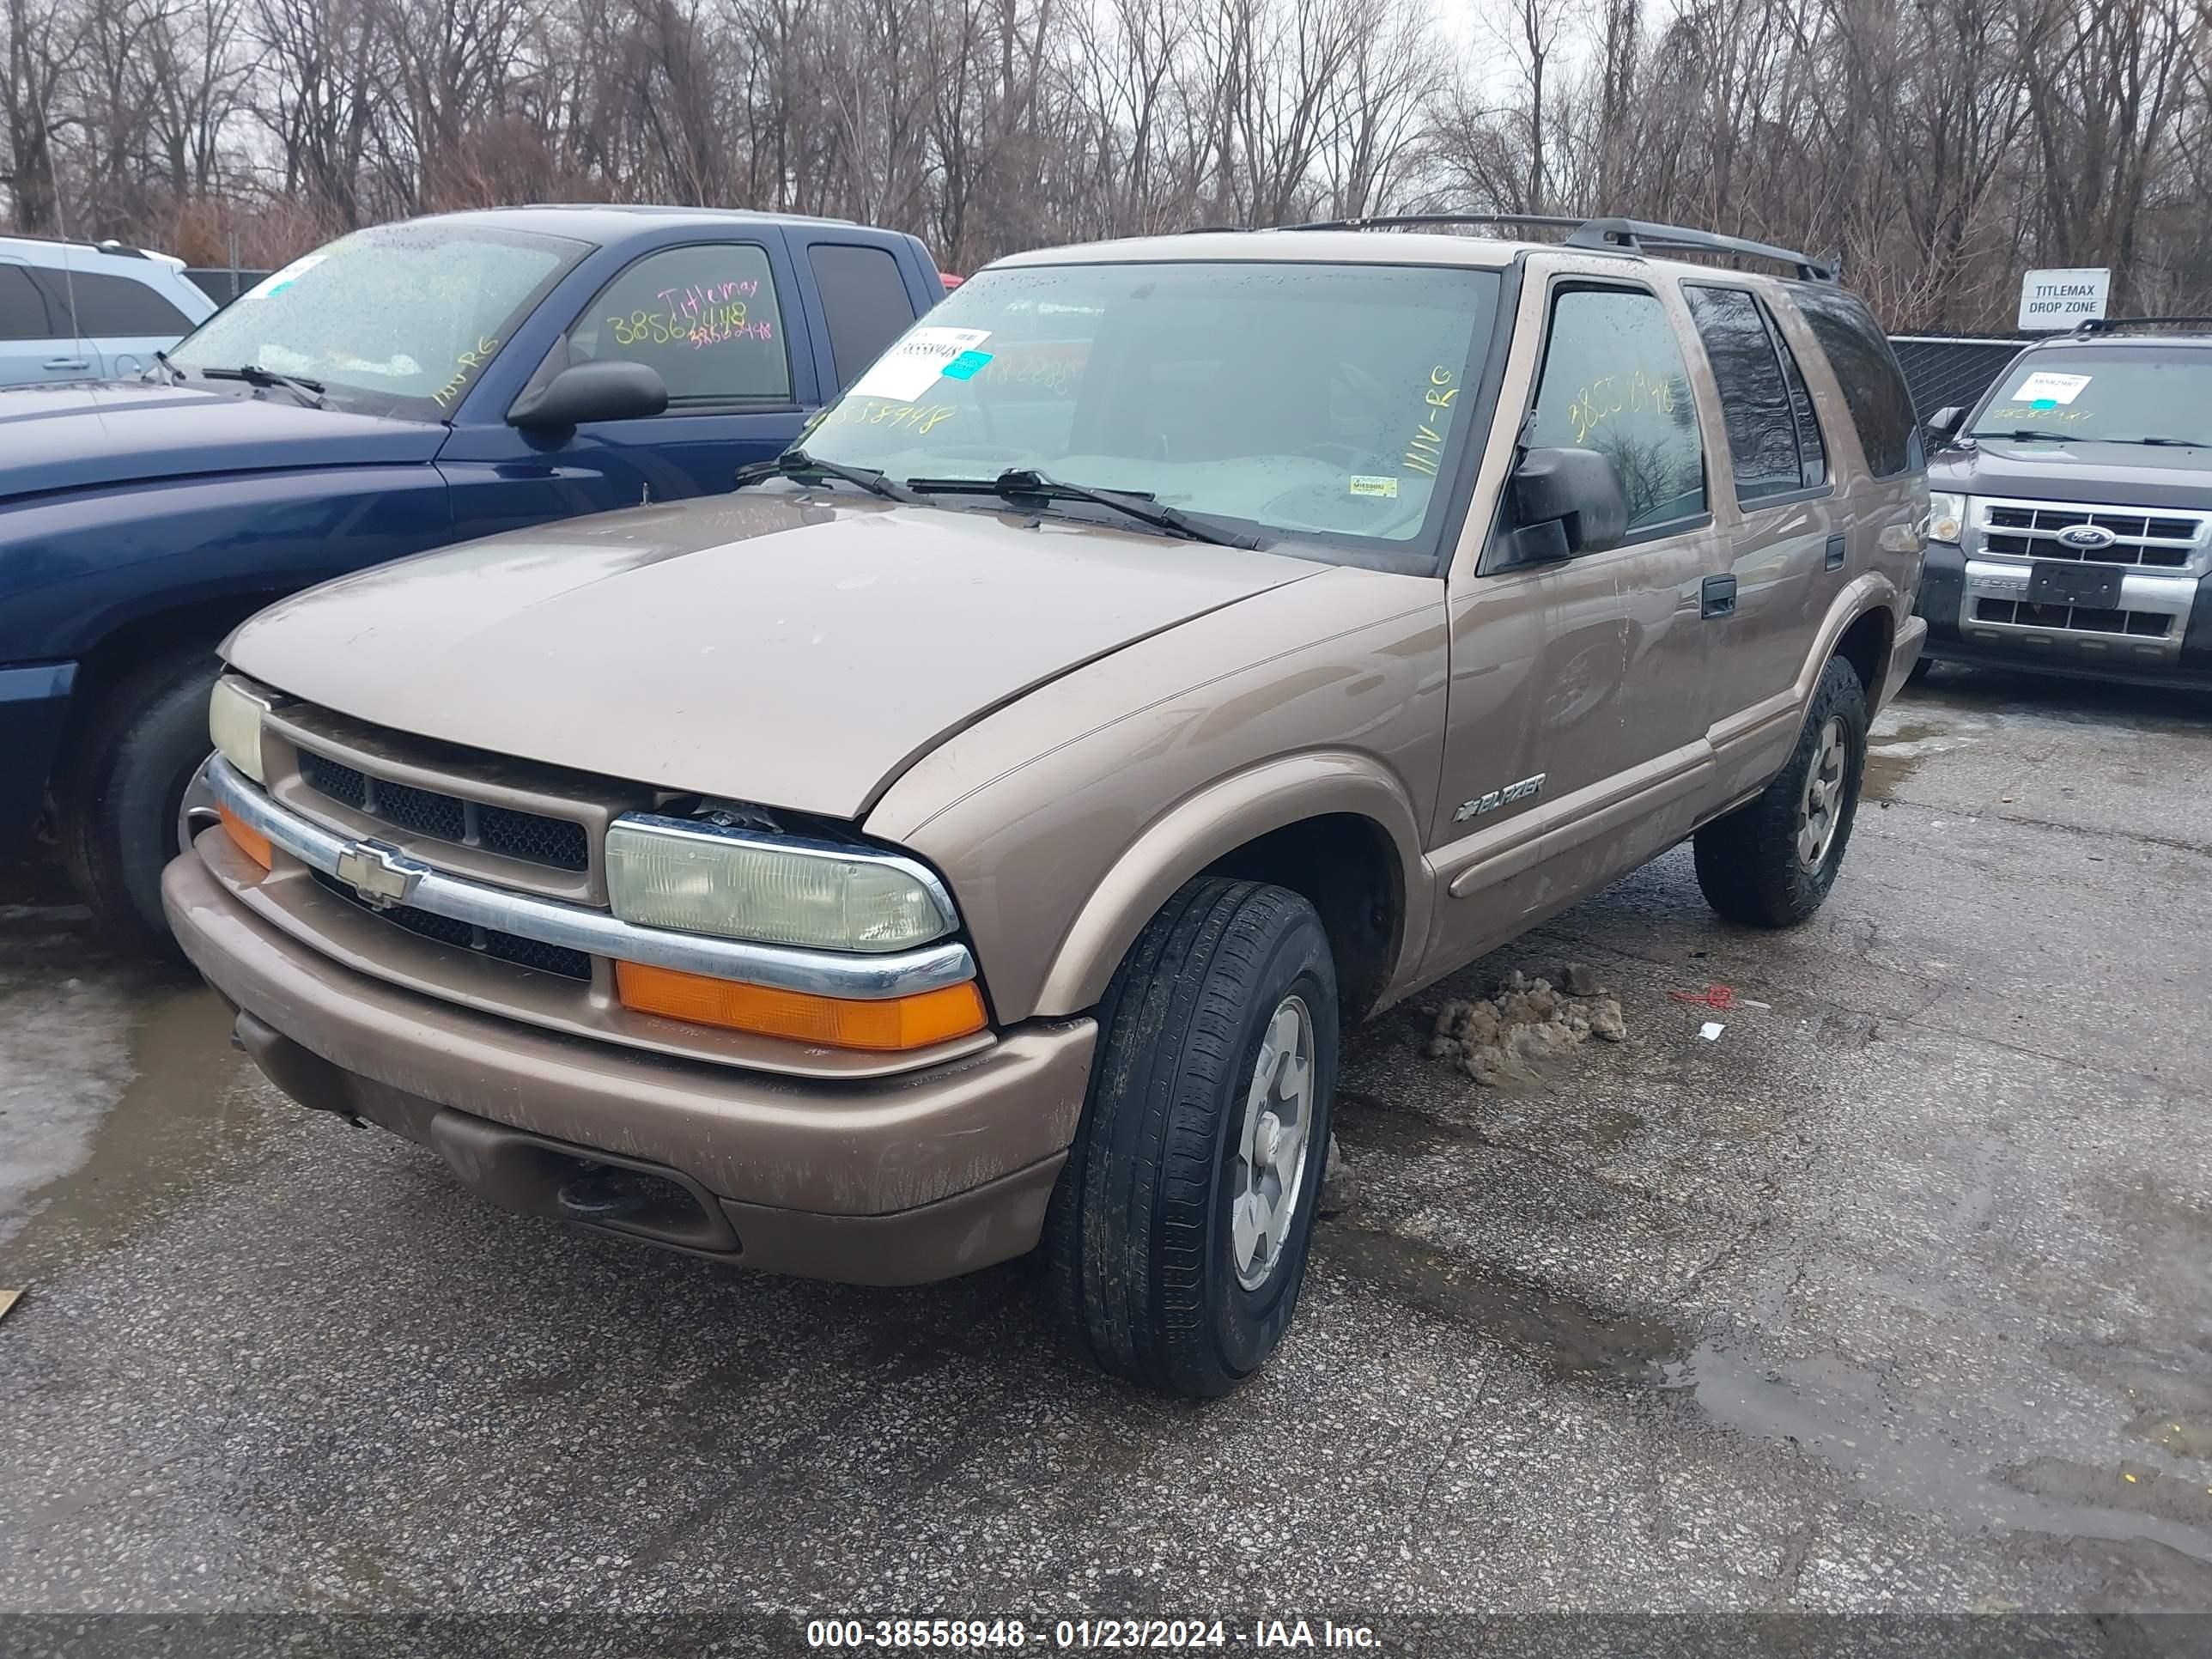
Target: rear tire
column 118, row 791
column 1176, row 1241
column 1772, row 861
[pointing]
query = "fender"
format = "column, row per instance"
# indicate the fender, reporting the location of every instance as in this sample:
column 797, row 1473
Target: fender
column 75, row 568
column 1205, row 827
column 1751, row 744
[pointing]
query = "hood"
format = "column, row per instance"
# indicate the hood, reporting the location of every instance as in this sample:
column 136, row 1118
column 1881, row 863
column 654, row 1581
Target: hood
column 759, row 647
column 87, row 433
column 2124, row 475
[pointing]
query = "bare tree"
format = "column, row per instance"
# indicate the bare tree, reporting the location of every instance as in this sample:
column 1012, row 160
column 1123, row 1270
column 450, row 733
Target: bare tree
column 1937, row 146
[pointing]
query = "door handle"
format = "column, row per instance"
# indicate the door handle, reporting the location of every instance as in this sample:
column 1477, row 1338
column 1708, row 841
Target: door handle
column 1837, row 548
column 1717, row 597
column 69, row 362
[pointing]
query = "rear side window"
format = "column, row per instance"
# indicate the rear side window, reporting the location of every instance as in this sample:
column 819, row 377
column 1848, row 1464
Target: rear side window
column 109, row 308
column 1774, row 443
column 1874, row 386
column 22, row 308
column 1614, row 381
column 864, row 300
column 1754, row 403
column 704, row 318
column 1812, row 448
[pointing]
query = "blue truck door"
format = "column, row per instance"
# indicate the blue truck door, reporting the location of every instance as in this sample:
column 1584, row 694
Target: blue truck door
column 865, row 294
column 719, row 318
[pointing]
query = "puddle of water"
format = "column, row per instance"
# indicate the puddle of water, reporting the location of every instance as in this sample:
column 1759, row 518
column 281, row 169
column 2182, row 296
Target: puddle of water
column 2135, row 1487
column 1566, row 1337
column 1890, row 1449
column 2184, row 1434
column 180, row 1117
column 1897, row 749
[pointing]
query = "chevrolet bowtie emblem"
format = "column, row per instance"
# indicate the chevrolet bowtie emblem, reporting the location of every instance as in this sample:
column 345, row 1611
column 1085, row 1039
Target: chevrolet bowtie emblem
column 381, row 875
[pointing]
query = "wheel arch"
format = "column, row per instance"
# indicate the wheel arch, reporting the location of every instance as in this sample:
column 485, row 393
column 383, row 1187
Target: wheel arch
column 1864, row 644
column 178, row 630
column 1305, row 822
column 1860, row 627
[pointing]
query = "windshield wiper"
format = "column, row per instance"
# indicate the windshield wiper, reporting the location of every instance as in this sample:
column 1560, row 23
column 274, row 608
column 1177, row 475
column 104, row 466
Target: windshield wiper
column 1022, row 482
column 176, row 374
column 253, row 374
column 796, row 462
column 2163, row 443
column 2026, row 434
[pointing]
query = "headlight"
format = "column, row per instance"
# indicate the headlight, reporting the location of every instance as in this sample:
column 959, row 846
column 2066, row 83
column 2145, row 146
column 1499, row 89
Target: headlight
column 1946, row 516
column 234, row 710
column 699, row 878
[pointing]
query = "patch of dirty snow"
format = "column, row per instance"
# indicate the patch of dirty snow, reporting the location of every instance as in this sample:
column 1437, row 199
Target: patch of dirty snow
column 1499, row 1038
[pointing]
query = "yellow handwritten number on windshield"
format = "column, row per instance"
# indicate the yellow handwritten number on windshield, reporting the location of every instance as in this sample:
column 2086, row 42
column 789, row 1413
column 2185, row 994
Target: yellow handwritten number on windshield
column 444, row 396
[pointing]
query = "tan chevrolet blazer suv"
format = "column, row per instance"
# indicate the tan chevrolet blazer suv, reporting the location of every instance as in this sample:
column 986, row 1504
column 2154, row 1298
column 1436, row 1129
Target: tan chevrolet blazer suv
column 973, row 833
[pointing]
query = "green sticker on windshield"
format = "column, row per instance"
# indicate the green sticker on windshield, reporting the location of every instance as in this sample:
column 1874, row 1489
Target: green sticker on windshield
column 1365, row 483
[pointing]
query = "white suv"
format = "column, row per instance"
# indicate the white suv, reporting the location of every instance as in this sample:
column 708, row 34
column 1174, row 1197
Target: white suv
column 70, row 311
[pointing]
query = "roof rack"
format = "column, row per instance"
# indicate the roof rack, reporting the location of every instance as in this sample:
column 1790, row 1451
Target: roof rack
column 2114, row 325
column 120, row 250
column 1600, row 235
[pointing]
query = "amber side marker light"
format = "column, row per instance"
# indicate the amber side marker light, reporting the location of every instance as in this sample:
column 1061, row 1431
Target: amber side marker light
column 248, row 840
column 887, row 1026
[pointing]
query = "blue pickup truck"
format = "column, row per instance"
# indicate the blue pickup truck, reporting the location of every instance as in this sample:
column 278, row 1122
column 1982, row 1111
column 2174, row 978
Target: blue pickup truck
column 406, row 387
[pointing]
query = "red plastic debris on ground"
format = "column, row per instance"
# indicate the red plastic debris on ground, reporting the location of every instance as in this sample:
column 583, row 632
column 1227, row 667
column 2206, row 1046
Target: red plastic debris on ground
column 1713, row 996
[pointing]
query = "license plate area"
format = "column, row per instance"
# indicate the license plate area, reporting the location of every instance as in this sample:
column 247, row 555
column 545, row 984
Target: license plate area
column 2086, row 587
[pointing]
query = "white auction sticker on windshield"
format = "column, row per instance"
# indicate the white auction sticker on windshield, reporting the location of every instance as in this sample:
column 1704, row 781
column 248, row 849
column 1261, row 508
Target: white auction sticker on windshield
column 277, row 281
column 1384, row 485
column 911, row 367
column 2047, row 388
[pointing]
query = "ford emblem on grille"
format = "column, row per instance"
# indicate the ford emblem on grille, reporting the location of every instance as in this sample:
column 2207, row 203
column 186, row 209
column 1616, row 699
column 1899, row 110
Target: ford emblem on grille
column 2086, row 536
column 382, row 875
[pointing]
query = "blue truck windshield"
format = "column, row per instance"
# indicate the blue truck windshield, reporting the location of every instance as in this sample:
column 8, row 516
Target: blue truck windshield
column 396, row 320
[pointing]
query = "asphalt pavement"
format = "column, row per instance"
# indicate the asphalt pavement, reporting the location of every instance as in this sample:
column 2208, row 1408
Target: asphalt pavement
column 1895, row 1296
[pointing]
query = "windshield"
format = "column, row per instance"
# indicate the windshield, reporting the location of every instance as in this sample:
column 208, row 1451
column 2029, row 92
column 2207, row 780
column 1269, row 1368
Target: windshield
column 397, row 320
column 2111, row 394
column 1318, row 405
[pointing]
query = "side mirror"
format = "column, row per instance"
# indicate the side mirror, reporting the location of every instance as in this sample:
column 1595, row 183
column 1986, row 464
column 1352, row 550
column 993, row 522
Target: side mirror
column 1566, row 501
column 612, row 390
column 1945, row 422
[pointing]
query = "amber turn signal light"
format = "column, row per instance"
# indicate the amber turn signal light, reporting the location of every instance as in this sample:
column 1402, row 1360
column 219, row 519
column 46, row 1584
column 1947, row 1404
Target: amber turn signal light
column 248, row 840
column 885, row 1026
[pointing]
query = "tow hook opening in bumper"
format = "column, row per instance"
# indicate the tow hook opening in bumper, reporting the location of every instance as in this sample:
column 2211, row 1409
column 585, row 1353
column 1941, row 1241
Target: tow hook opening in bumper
column 531, row 1176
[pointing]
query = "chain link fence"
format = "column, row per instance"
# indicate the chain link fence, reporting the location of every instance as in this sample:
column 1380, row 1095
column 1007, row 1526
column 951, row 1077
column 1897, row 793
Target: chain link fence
column 1944, row 370
column 224, row 284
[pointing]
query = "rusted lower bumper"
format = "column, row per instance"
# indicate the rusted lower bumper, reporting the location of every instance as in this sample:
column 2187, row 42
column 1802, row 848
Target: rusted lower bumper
column 898, row 1181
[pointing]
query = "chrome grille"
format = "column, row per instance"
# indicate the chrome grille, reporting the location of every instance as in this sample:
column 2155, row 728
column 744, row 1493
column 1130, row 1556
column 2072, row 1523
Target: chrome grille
column 484, row 941
column 2147, row 540
column 2018, row 613
column 2153, row 562
column 558, row 843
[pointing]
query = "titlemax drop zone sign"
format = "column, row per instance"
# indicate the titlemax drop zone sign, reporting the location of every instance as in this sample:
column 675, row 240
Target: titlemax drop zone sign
column 2060, row 299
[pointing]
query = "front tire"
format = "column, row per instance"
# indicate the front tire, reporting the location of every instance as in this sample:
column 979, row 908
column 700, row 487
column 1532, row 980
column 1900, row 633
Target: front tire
column 1176, row 1241
column 119, row 793
column 1772, row 861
